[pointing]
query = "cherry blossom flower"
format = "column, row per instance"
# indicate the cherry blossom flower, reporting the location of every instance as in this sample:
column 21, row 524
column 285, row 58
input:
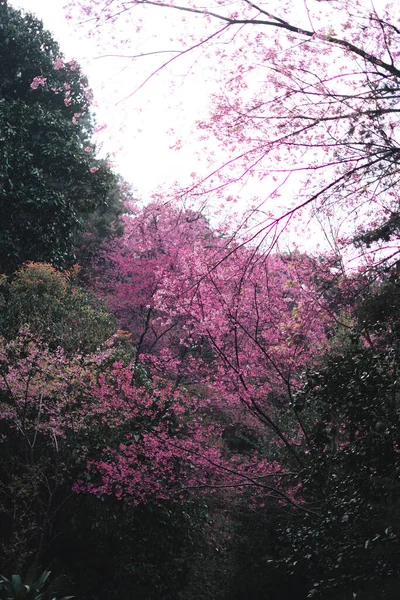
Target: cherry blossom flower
column 38, row 81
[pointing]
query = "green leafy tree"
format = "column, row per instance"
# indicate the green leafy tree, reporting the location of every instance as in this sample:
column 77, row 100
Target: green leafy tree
column 54, row 308
column 50, row 180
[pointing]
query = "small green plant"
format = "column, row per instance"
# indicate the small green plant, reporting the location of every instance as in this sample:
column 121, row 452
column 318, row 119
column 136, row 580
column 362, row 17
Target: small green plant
column 42, row 588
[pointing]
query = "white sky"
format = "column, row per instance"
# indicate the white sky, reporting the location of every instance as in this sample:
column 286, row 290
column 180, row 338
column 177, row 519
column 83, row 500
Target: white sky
column 138, row 135
column 137, row 128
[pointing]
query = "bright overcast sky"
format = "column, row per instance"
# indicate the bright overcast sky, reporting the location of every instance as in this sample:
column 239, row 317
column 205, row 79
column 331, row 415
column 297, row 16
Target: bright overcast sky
column 137, row 133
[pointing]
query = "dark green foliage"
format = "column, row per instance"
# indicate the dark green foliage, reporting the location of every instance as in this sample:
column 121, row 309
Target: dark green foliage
column 351, row 478
column 47, row 191
column 141, row 553
column 104, row 223
column 258, row 573
column 240, row 439
column 380, row 312
column 386, row 231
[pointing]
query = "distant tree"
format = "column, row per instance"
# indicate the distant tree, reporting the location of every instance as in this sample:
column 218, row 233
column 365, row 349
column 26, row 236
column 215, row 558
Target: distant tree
column 50, row 180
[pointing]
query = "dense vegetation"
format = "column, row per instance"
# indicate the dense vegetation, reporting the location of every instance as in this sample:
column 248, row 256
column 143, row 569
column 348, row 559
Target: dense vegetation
column 51, row 181
column 184, row 416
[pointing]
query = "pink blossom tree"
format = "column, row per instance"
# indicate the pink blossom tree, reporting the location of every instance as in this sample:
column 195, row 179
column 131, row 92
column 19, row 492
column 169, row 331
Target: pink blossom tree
column 131, row 269
column 83, row 418
column 262, row 319
column 232, row 326
column 307, row 94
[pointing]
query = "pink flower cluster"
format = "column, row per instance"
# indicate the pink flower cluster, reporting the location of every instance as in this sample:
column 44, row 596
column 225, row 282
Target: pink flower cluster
column 59, row 64
column 38, row 81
